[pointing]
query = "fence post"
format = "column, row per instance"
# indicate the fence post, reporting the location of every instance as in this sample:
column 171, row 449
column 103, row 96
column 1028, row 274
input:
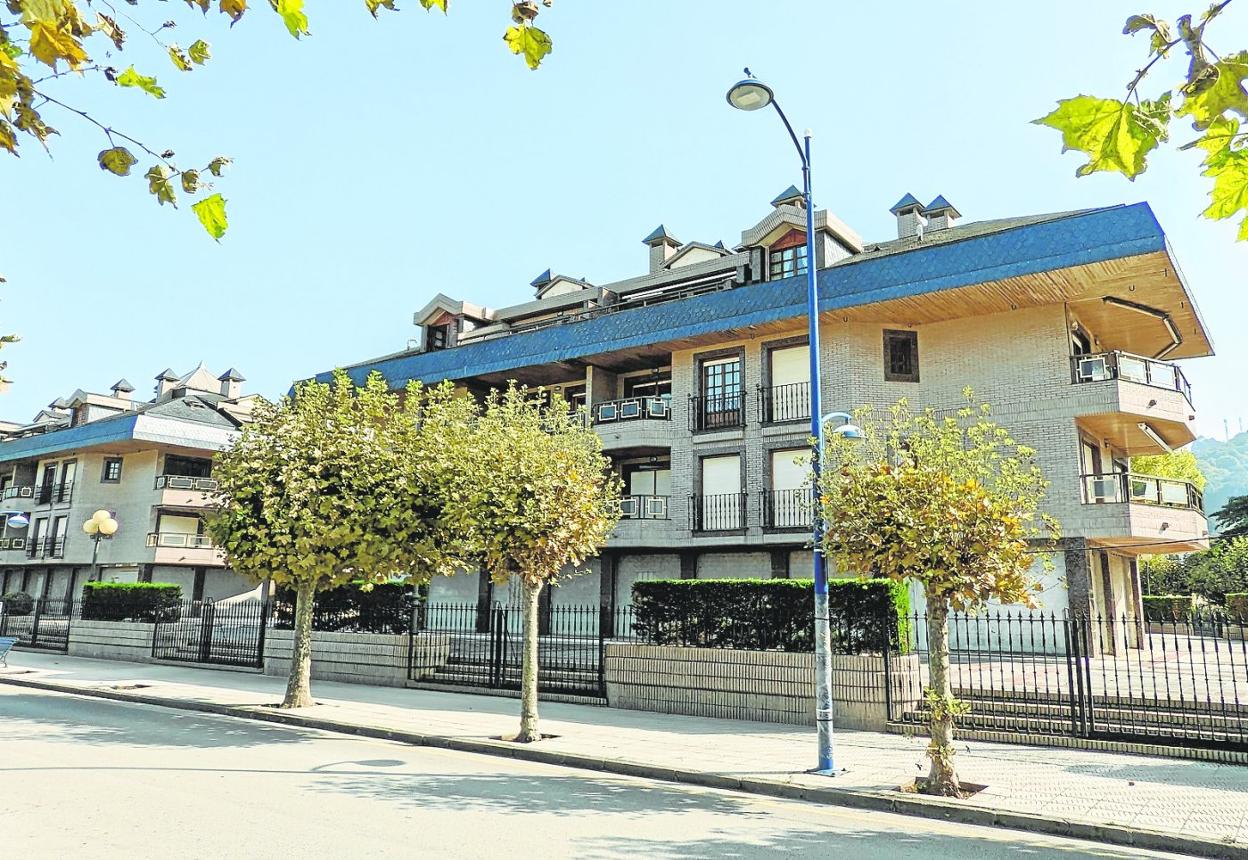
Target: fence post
column 262, row 634
column 412, row 625
column 205, row 632
column 34, row 625
column 1071, row 662
column 603, row 615
column 498, row 624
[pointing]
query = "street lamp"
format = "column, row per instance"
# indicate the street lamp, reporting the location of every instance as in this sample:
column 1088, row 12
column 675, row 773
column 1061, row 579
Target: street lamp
column 752, row 94
column 16, row 519
column 100, row 526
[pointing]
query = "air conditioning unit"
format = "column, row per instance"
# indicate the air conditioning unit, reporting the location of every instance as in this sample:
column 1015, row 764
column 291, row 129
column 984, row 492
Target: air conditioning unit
column 656, row 507
column 607, row 412
column 178, row 482
column 17, row 543
column 25, row 492
column 628, row 507
column 657, row 407
column 4, row 543
column 630, row 409
column 1093, row 369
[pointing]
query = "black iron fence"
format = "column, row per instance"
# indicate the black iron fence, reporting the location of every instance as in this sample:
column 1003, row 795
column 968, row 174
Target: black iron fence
column 780, row 403
column 717, row 411
column 229, row 634
column 787, row 509
column 717, row 513
column 43, row 623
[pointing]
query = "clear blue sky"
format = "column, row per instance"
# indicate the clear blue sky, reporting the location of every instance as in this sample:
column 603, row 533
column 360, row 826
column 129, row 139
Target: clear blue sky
column 377, row 163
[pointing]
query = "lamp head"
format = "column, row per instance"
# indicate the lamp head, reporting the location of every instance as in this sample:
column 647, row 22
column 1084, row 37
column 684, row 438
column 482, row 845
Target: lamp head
column 848, row 431
column 19, row 521
column 750, row 94
column 91, row 527
column 108, row 528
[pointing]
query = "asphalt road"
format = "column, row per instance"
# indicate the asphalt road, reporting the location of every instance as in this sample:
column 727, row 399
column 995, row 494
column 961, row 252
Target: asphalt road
column 85, row 778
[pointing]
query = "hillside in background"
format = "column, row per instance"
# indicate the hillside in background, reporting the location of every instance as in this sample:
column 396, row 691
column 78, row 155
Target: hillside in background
column 1225, row 464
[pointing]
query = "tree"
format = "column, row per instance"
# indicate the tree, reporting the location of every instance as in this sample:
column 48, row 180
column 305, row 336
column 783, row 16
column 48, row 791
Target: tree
column 1232, row 519
column 1179, row 465
column 1119, row 135
column 952, row 503
column 337, row 484
column 535, row 497
column 47, row 46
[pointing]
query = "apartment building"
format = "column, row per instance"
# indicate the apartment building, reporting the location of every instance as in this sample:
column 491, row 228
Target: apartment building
column 695, row 374
column 147, row 462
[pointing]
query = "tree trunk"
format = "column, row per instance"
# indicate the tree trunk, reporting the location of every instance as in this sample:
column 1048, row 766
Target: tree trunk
column 299, row 684
column 942, row 779
column 528, row 678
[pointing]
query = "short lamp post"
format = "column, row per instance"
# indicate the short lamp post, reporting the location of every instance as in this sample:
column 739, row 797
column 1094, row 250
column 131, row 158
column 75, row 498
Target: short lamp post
column 100, row 526
column 752, row 94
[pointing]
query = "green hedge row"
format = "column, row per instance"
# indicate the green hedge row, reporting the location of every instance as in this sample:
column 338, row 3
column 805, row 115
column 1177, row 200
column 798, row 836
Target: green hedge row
column 131, row 601
column 867, row 615
column 1169, row 608
column 382, row 609
column 1237, row 606
column 18, row 603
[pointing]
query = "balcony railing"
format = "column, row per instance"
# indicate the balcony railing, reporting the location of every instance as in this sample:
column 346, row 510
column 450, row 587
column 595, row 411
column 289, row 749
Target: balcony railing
column 787, row 509
column 184, row 482
column 15, row 543
column 45, row 547
column 20, row 492
column 718, row 513
column 1132, row 368
column 179, row 540
column 47, row 494
column 1141, row 490
column 717, row 412
column 789, row 402
column 632, row 409
column 643, row 507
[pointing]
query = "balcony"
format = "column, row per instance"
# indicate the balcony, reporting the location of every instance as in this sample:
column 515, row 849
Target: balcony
column 724, row 512
column 636, row 423
column 14, row 544
column 1142, row 405
column 787, row 510
column 16, row 495
column 180, row 548
column 1153, row 514
column 45, row 547
column 182, row 491
column 717, row 412
column 643, row 508
column 781, row 403
column 54, row 494
column 179, row 540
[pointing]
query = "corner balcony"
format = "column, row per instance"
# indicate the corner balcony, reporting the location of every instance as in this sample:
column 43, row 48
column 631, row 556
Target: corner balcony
column 1142, row 514
column 645, row 521
column 641, row 424
column 1134, row 401
column 181, row 491
column 180, row 548
column 19, row 497
column 13, row 544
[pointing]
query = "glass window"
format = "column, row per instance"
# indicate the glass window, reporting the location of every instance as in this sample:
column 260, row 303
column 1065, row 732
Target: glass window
column 438, row 336
column 648, row 386
column 787, row 262
column 112, row 470
column 901, row 356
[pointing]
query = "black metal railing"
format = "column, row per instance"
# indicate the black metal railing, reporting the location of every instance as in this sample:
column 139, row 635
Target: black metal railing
column 638, row 507
column 1119, row 487
column 44, row 624
column 179, row 540
column 717, row 513
column 24, row 491
column 787, row 509
column 363, row 617
column 185, row 482
column 46, row 547
column 717, row 412
column 781, row 403
column 12, row 543
column 230, row 634
column 632, row 409
column 1131, row 368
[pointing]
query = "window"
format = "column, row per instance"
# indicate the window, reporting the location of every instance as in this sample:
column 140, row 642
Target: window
column 438, row 336
column 112, row 470
column 901, row 356
column 190, row 467
column 786, row 262
column 649, row 386
column 721, row 392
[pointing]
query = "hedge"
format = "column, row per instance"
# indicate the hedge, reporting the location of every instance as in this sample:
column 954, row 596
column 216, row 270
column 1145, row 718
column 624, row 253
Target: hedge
column 18, row 603
column 771, row 614
column 1169, row 608
column 131, row 601
column 1237, row 606
column 350, row 609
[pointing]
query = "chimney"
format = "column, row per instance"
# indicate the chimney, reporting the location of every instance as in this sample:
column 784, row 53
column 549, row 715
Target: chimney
column 122, row 390
column 231, row 384
column 662, row 247
column 165, row 381
column 789, row 197
column 940, row 214
column 910, row 221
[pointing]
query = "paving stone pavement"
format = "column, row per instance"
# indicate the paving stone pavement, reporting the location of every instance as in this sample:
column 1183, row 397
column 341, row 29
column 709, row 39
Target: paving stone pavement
column 1188, row 798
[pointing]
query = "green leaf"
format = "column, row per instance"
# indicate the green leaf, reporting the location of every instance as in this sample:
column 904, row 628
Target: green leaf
column 429, row 4
column 199, row 52
column 180, row 59
column 12, row 49
column 117, row 161
column 528, row 40
column 1216, row 90
column 374, row 5
column 292, row 16
column 159, row 182
column 1227, row 165
column 218, row 164
column 1161, row 30
column 131, row 78
column 233, row 8
column 1116, row 136
column 211, row 213
column 190, row 181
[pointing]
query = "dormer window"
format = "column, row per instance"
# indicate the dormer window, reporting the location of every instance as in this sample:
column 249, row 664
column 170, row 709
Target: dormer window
column 787, row 257
column 439, row 336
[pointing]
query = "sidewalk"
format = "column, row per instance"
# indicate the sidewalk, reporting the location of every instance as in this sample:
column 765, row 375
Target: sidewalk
column 1167, row 804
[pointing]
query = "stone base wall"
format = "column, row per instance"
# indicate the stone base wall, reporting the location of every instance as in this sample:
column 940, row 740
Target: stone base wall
column 111, row 640
column 768, row 686
column 379, row 659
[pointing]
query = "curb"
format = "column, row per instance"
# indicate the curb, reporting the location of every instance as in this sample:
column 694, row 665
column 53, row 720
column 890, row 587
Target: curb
column 916, row 805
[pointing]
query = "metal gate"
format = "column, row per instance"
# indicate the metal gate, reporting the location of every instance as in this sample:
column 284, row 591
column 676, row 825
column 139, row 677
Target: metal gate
column 45, row 627
column 204, row 633
column 480, row 646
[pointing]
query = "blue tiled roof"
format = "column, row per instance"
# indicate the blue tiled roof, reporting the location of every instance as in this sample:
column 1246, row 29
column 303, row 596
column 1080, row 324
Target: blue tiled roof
column 659, row 232
column 94, row 433
column 787, row 194
column 906, row 203
column 939, row 203
column 1087, row 237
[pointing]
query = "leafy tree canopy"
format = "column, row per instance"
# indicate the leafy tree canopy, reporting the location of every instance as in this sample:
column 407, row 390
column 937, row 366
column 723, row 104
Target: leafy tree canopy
column 1232, row 518
column 1180, row 465
column 1119, row 135
column 53, row 45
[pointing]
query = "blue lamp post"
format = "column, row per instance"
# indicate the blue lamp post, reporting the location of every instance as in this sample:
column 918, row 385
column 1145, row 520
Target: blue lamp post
column 752, row 94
